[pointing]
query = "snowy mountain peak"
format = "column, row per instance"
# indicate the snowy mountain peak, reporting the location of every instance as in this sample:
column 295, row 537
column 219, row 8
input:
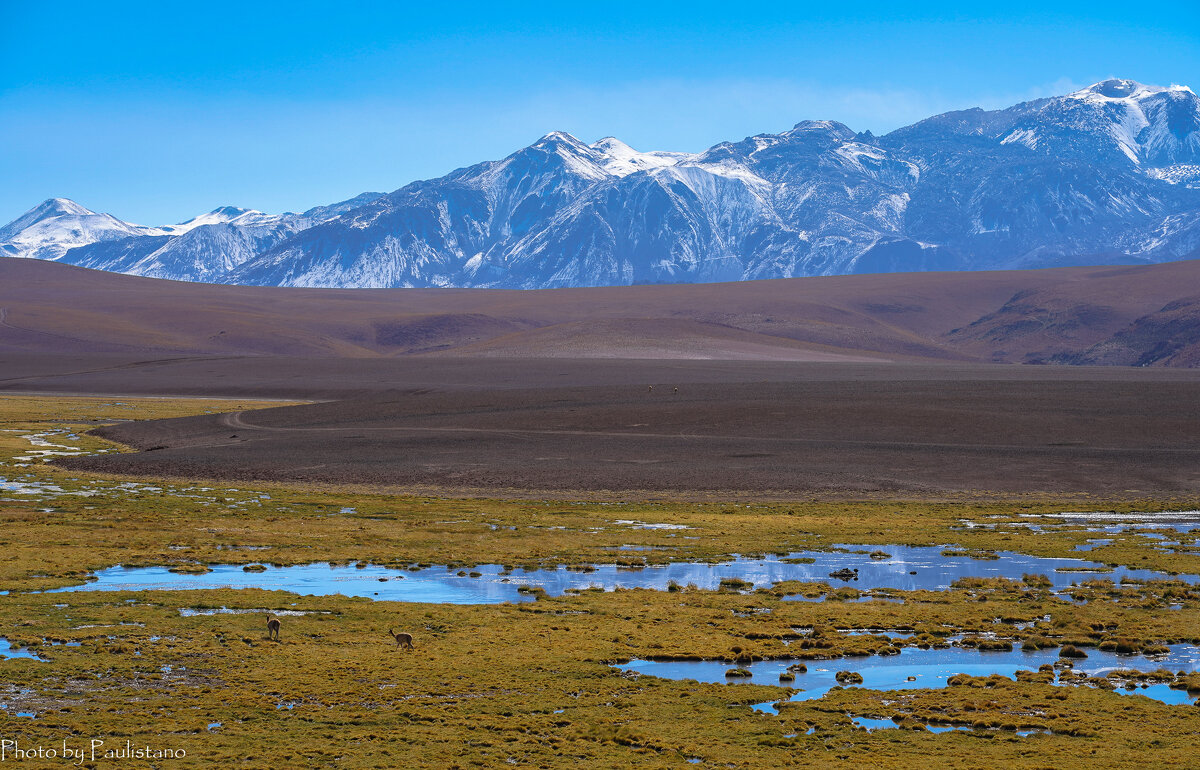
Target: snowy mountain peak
column 559, row 138
column 57, row 225
column 1147, row 126
column 560, row 150
column 51, row 208
column 822, row 127
column 1116, row 88
column 621, row 160
column 605, row 158
column 57, row 207
column 230, row 211
column 817, row 134
column 611, row 145
column 224, row 215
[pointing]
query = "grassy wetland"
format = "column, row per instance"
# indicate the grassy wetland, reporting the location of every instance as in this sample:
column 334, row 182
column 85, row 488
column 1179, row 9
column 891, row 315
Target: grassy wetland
column 533, row 683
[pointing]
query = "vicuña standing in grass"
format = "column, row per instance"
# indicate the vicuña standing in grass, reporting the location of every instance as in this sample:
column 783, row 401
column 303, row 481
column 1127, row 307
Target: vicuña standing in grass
column 273, row 628
column 402, row 639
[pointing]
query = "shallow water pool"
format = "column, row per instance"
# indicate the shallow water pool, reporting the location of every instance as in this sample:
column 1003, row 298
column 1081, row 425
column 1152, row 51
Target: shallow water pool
column 927, row 668
column 907, row 569
column 7, row 651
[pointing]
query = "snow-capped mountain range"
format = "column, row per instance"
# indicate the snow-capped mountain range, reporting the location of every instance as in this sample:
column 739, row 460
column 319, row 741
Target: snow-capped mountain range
column 1107, row 174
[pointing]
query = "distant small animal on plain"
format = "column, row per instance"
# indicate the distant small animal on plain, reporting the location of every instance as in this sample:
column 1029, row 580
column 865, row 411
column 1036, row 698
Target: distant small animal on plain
column 402, row 639
column 651, row 389
column 273, row 628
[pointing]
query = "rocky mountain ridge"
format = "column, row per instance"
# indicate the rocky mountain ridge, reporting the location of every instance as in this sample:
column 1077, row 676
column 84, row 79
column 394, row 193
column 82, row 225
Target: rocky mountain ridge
column 1109, row 174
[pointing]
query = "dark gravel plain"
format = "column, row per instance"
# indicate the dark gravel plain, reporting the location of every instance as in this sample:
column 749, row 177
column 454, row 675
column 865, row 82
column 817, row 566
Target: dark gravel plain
column 752, row 429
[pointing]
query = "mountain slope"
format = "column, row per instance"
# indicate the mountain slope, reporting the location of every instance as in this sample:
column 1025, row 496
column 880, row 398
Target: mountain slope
column 1099, row 175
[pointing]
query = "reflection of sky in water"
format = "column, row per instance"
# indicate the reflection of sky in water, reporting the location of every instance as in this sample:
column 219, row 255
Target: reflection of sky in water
column 930, row 669
column 872, row 725
column 28, row 488
column 7, row 651
column 437, row 584
column 876, row 632
column 1093, row 544
column 1113, row 523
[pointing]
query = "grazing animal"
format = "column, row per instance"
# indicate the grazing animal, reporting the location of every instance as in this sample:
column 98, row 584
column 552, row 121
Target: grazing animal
column 651, row 389
column 273, row 628
column 402, row 639
column 675, row 391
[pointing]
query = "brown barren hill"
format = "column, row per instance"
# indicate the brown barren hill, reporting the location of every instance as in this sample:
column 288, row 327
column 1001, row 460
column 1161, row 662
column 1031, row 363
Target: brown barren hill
column 1069, row 315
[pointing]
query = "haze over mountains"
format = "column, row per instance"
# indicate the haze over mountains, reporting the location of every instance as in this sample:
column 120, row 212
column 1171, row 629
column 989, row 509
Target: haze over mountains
column 1109, row 174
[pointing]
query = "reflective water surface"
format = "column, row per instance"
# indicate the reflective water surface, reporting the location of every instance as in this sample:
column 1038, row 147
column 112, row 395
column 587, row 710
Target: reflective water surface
column 7, row 651
column 907, row 568
column 916, row 668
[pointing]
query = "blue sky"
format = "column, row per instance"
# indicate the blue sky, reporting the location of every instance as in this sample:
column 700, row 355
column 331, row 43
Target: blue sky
column 155, row 112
